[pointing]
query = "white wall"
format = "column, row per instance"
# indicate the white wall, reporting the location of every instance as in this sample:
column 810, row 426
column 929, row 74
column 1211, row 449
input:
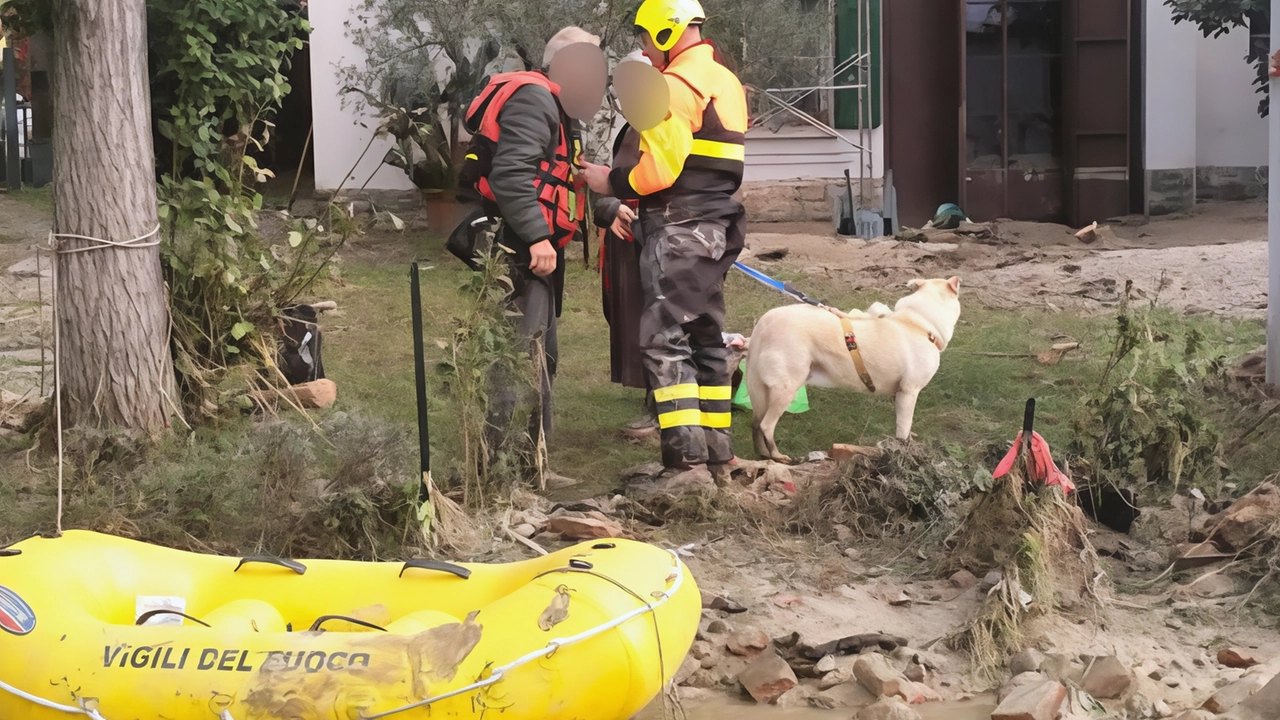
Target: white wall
column 1171, row 86
column 339, row 138
column 1229, row 131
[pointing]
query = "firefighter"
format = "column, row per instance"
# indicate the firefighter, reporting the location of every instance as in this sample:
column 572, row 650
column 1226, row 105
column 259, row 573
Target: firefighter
column 691, row 229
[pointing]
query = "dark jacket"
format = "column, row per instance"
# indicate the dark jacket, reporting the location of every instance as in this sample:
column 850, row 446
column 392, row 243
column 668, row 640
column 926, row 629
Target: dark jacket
column 530, row 132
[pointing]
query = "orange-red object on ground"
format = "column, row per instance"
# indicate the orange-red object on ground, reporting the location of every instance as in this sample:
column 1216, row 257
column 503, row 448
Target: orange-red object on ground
column 1040, row 462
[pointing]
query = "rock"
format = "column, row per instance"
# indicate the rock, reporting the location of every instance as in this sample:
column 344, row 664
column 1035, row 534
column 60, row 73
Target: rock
column 1236, row 658
column 1140, row 707
column 915, row 693
column 878, row 675
column 316, row 394
column 687, row 669
column 991, row 580
column 915, row 672
column 1263, row 705
column 1162, row 709
column 1215, row 585
column 839, row 676
column 825, row 665
column 1107, row 678
column 887, row 708
column 583, row 528
column 844, row 695
column 788, row 641
column 767, row 678
column 1018, row 682
column 1036, row 701
column 1062, row 669
column 701, row 649
column 1248, row 518
column 718, row 627
column 962, row 579
column 703, row 679
column 711, row 601
column 796, row 697
column 1194, row 715
column 524, row 530
column 747, row 642
column 1229, row 696
column 1028, row 660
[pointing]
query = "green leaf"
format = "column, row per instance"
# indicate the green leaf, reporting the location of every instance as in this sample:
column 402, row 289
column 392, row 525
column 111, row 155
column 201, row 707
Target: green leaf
column 231, row 349
column 241, row 329
column 231, row 223
column 295, row 239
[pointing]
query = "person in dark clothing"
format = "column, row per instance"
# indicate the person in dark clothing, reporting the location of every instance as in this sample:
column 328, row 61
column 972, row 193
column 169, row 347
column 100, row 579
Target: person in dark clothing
column 622, row 294
column 536, row 140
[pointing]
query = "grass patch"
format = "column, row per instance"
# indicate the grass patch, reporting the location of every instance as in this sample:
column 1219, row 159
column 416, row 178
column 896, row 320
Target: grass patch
column 39, row 198
column 975, row 401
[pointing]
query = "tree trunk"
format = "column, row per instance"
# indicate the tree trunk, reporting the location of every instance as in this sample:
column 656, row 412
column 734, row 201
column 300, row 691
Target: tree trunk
column 113, row 317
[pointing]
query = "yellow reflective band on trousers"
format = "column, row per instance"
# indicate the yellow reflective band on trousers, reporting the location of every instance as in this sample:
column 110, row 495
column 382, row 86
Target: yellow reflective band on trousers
column 716, row 420
column 715, row 392
column 719, row 150
column 684, row 391
column 679, row 418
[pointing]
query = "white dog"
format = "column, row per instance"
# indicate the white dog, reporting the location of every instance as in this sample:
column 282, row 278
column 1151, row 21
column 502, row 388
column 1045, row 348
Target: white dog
column 880, row 351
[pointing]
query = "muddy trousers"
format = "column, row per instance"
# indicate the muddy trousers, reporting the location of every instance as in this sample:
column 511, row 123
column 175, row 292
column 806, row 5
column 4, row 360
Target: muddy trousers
column 682, row 273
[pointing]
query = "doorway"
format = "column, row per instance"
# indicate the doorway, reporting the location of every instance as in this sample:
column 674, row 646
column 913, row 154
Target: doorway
column 922, row 95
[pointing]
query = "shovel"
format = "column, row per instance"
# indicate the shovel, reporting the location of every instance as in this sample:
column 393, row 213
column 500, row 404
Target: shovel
column 847, row 224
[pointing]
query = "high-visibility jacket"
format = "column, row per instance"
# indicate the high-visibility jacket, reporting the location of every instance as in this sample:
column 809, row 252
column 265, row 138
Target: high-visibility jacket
column 700, row 147
column 562, row 200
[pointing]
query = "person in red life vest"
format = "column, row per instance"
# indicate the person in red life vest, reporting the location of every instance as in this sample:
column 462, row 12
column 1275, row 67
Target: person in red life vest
column 691, row 229
column 520, row 165
column 621, row 291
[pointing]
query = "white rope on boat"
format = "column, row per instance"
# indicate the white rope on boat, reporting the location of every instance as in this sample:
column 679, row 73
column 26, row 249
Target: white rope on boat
column 551, row 647
column 69, row 709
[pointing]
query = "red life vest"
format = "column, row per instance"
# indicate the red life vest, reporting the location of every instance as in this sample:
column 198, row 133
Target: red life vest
column 563, row 203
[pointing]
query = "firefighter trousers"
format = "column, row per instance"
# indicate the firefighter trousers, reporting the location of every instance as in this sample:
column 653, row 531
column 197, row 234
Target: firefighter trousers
column 682, row 272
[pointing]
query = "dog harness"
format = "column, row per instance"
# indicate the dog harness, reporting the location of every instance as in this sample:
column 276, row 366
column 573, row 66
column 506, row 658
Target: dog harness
column 851, row 344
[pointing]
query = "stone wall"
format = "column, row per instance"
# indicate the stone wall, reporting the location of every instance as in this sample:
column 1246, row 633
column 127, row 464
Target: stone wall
column 801, row 200
column 1171, row 191
column 1231, row 183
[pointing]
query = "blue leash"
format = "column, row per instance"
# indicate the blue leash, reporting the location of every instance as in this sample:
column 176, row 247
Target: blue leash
column 783, row 287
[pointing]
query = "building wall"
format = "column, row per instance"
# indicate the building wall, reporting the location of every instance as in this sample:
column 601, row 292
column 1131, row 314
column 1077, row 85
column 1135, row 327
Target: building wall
column 1204, row 138
column 339, row 137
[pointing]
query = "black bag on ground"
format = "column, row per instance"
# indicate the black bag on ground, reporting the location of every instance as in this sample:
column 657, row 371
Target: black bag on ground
column 299, row 353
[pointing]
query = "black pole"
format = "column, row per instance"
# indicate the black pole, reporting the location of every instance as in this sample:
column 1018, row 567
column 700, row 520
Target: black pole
column 420, row 378
column 13, row 162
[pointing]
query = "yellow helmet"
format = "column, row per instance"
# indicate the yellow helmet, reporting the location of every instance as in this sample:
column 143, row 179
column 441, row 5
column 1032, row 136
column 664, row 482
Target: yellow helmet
column 665, row 20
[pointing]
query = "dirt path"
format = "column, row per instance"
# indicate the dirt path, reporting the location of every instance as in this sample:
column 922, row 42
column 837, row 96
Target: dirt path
column 1211, row 261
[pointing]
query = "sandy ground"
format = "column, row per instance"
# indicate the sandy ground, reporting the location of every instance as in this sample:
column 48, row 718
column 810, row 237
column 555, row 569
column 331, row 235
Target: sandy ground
column 1213, row 260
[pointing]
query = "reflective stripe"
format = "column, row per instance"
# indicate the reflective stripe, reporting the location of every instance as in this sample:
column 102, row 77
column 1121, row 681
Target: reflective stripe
column 472, row 156
column 715, row 392
column 679, row 418
column 720, row 150
column 686, row 391
column 717, row 420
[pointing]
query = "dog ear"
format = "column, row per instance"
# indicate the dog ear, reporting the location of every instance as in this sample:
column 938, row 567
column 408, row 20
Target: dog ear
column 954, row 283
column 915, row 283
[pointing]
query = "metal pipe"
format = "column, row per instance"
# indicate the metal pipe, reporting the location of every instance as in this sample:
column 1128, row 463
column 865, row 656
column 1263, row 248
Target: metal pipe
column 1273, row 215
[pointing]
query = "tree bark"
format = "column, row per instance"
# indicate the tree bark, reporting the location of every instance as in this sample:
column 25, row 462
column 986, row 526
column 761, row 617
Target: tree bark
column 113, row 316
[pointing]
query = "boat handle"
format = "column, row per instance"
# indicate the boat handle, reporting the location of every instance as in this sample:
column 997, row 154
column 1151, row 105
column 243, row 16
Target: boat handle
column 354, row 621
column 293, row 565
column 425, row 564
column 144, row 617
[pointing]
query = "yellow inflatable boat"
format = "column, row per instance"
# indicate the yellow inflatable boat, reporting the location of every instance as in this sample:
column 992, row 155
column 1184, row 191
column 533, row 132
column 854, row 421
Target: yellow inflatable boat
column 120, row 630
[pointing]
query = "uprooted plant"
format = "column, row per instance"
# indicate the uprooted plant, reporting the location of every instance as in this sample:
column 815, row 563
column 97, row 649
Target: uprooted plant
column 484, row 360
column 1150, row 420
